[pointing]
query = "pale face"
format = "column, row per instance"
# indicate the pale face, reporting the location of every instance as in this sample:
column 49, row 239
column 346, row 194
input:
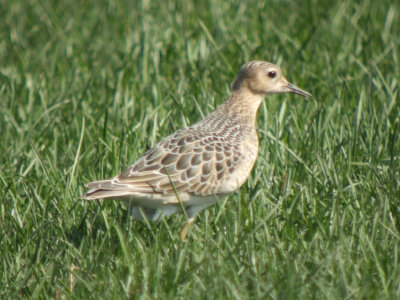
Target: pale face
column 264, row 78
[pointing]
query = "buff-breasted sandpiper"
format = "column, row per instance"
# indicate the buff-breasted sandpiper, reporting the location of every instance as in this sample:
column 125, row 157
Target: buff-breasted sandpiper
column 196, row 166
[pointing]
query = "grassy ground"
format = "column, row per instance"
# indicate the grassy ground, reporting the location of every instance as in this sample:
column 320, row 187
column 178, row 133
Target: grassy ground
column 88, row 86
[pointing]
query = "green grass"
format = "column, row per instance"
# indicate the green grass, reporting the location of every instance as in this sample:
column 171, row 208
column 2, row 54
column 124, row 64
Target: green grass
column 87, row 86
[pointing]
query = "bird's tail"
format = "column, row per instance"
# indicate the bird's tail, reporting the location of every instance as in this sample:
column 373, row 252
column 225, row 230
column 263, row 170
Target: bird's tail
column 103, row 189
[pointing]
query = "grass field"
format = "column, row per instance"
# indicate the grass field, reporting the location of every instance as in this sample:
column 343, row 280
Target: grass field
column 87, row 86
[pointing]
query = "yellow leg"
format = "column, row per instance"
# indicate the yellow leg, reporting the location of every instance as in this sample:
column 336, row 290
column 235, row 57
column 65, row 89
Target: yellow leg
column 185, row 229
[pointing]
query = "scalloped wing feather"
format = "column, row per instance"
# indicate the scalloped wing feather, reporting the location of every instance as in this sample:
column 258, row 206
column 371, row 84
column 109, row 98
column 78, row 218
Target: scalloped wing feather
column 197, row 163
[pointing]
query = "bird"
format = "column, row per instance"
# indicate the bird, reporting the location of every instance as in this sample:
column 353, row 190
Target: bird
column 197, row 166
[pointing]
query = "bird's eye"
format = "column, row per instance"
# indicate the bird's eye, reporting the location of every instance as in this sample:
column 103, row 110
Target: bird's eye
column 271, row 74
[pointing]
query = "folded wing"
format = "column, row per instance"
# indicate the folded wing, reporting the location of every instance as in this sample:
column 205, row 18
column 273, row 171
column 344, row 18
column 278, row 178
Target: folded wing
column 182, row 163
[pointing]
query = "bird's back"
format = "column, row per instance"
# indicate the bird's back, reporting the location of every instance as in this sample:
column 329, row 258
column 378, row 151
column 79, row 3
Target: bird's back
column 208, row 158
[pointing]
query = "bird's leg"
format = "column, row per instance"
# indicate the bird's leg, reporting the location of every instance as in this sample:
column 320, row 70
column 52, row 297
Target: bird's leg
column 185, row 228
column 191, row 213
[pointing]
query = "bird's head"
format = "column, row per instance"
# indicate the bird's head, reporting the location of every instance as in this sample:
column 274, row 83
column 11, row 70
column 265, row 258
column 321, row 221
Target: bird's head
column 263, row 78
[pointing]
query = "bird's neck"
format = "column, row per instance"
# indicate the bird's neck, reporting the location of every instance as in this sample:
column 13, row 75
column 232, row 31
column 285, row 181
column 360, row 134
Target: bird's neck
column 244, row 105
